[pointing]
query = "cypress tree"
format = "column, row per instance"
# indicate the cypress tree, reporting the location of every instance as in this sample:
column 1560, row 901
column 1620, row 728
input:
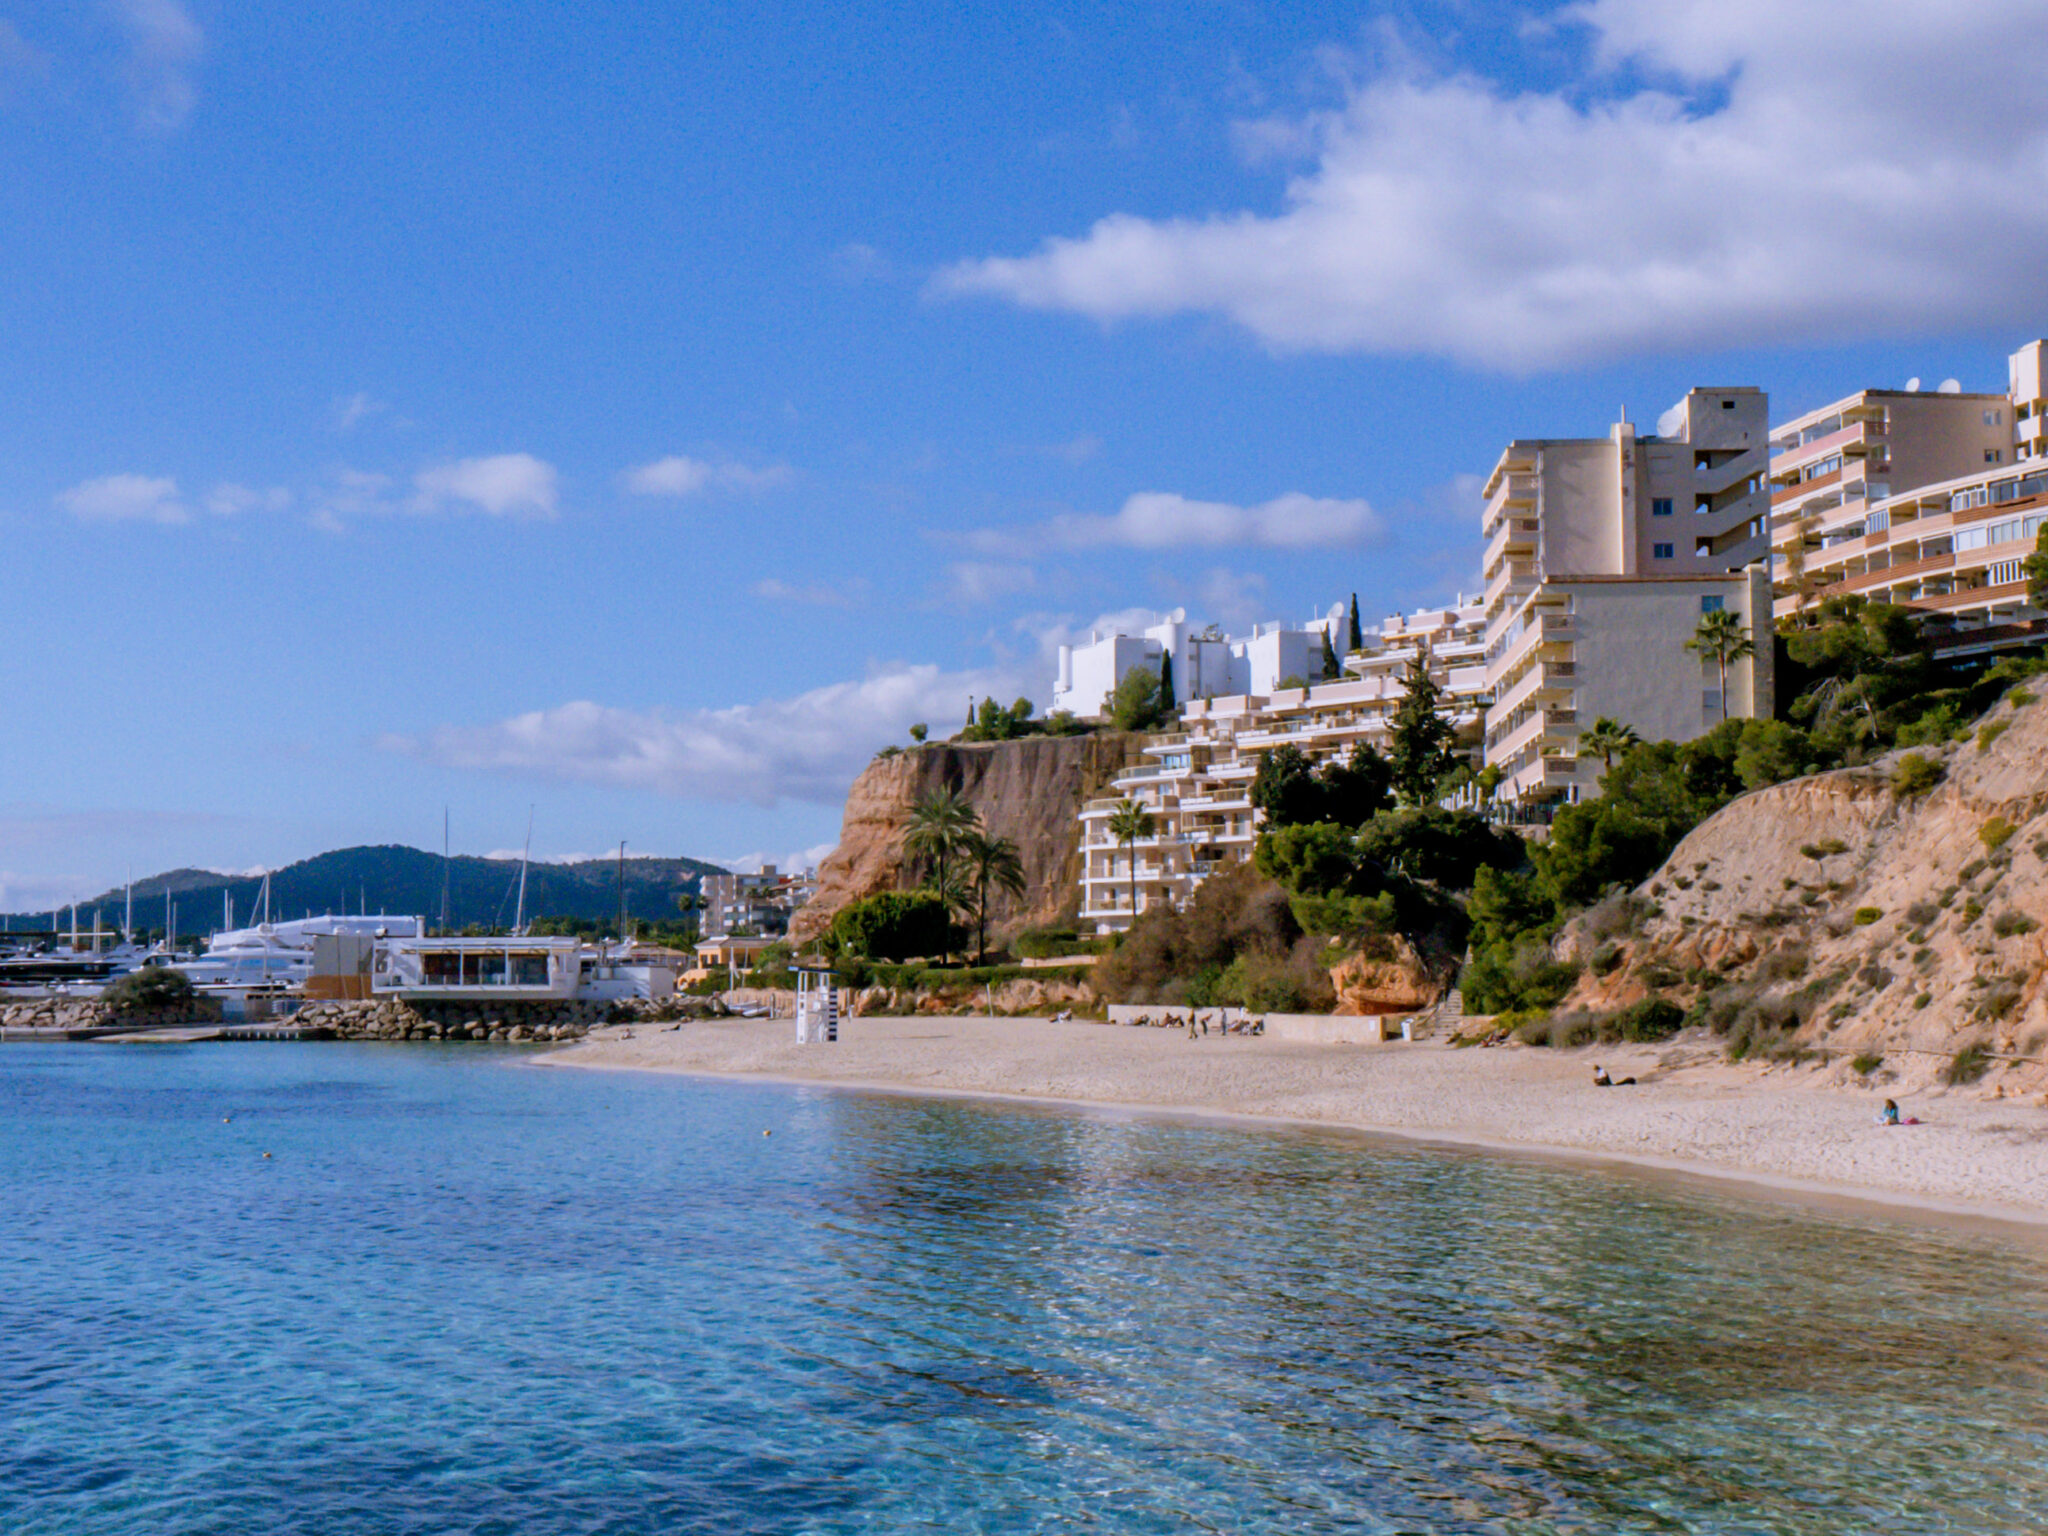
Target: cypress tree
column 1166, row 698
column 1357, row 630
column 1329, row 654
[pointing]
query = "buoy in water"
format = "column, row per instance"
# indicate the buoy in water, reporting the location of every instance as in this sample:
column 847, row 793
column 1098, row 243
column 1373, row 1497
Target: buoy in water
column 767, row 1133
column 266, row 1154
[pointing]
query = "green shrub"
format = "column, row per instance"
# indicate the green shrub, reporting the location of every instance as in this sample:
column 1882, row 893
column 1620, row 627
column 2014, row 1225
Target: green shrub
column 2008, row 923
column 1606, row 958
column 1866, row 1064
column 1651, row 1019
column 1923, row 1000
column 2019, row 696
column 149, row 989
column 1990, row 732
column 1915, row 775
column 1921, row 913
column 895, row 925
column 1967, row 1065
column 1972, row 910
column 1995, row 833
column 1865, row 916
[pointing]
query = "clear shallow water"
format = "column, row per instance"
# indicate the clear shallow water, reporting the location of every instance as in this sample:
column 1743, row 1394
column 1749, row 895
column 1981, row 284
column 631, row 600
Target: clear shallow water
column 462, row 1295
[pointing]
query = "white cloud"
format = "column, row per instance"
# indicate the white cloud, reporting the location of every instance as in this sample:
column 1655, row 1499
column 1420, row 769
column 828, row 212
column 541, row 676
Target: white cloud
column 801, row 859
column 164, row 48
column 818, row 594
column 19, row 58
column 126, row 499
column 514, row 855
column 679, row 475
column 227, row 500
column 806, row 748
column 350, row 411
column 503, row 485
column 1075, row 451
column 1166, row 520
column 1791, row 173
column 975, row 583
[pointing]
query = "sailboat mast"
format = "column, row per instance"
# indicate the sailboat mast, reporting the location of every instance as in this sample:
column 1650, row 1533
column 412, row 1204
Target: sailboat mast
column 445, row 869
column 519, row 914
column 622, row 892
column 128, row 912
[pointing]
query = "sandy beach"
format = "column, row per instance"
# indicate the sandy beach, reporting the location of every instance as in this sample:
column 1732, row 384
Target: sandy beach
column 1690, row 1111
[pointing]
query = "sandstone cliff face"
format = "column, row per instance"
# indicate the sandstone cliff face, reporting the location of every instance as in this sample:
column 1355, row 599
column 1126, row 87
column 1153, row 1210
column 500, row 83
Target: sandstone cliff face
column 1029, row 790
column 1924, row 935
column 1397, row 983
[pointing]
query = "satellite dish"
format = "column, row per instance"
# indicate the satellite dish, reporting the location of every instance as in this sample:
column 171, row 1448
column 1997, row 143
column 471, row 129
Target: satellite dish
column 1950, row 387
column 1913, row 385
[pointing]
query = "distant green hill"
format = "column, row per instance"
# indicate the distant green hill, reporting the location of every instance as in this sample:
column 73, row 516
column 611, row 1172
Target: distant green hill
column 401, row 880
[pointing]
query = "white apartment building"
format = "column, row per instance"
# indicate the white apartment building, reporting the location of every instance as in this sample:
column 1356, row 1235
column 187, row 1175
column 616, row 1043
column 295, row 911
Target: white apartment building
column 1206, row 663
column 1601, row 556
column 1197, row 784
column 1927, row 500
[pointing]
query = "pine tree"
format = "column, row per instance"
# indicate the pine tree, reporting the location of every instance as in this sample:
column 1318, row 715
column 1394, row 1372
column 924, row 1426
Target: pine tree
column 1421, row 745
column 1357, row 630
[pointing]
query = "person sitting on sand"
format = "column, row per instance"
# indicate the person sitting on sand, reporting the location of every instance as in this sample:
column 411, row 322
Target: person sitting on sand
column 1602, row 1080
column 1889, row 1115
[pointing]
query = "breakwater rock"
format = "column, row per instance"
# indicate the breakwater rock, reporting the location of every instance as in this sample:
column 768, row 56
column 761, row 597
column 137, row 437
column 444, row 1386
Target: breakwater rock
column 515, row 1022
column 68, row 1013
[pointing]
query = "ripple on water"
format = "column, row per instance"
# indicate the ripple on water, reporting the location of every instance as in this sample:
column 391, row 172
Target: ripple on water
column 461, row 1296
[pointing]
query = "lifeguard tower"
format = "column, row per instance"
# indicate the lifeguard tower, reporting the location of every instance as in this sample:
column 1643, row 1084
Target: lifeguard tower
column 817, row 1004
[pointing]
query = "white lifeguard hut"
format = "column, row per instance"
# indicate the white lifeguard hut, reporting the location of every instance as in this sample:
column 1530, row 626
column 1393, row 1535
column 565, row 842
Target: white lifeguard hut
column 817, row 1004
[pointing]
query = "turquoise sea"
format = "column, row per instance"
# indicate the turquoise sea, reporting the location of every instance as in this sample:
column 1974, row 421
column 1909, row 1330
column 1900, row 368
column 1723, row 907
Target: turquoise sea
column 465, row 1294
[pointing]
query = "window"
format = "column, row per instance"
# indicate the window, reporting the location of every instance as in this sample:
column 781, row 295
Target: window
column 1660, row 551
column 1994, row 455
column 1994, row 418
column 1712, row 604
column 1660, row 506
column 1710, row 702
column 2003, row 573
column 1727, row 405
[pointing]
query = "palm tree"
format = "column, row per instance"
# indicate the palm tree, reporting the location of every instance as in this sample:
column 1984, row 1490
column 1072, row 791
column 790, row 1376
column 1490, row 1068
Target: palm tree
column 992, row 862
column 1129, row 822
column 940, row 825
column 1720, row 638
column 1606, row 737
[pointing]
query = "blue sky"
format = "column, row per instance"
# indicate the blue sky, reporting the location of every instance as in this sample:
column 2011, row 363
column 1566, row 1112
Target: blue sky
column 641, row 413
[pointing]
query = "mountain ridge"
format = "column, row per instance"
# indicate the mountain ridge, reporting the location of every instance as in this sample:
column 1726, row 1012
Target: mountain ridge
column 400, row 880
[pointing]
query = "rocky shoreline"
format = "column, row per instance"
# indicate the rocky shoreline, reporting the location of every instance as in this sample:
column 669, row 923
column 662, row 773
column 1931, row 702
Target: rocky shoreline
column 544, row 1023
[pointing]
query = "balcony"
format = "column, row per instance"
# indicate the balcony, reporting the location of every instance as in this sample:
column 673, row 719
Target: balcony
column 1786, row 495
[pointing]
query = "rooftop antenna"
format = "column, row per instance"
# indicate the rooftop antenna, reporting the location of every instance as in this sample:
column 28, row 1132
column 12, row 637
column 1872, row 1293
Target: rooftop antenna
column 519, row 912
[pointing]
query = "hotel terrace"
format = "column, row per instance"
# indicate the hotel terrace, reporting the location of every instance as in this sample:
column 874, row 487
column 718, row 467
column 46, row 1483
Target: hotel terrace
column 1197, row 784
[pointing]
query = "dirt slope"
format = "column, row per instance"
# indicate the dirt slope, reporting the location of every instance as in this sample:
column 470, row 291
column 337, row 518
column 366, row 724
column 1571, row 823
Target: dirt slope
column 1922, row 935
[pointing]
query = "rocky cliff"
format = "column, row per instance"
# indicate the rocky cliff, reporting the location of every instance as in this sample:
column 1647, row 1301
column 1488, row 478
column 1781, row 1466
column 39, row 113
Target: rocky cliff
column 1030, row 791
column 1845, row 914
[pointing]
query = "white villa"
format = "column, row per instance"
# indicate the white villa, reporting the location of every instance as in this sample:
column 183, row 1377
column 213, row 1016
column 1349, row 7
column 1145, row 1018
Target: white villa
column 1207, row 663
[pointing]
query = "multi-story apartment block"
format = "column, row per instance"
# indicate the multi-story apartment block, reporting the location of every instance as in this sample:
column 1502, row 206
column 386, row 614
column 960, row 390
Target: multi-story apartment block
column 1197, row 784
column 1602, row 554
column 753, row 904
column 1927, row 500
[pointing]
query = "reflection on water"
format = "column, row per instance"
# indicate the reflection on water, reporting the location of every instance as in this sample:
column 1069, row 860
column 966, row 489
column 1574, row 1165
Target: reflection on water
column 465, row 1296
